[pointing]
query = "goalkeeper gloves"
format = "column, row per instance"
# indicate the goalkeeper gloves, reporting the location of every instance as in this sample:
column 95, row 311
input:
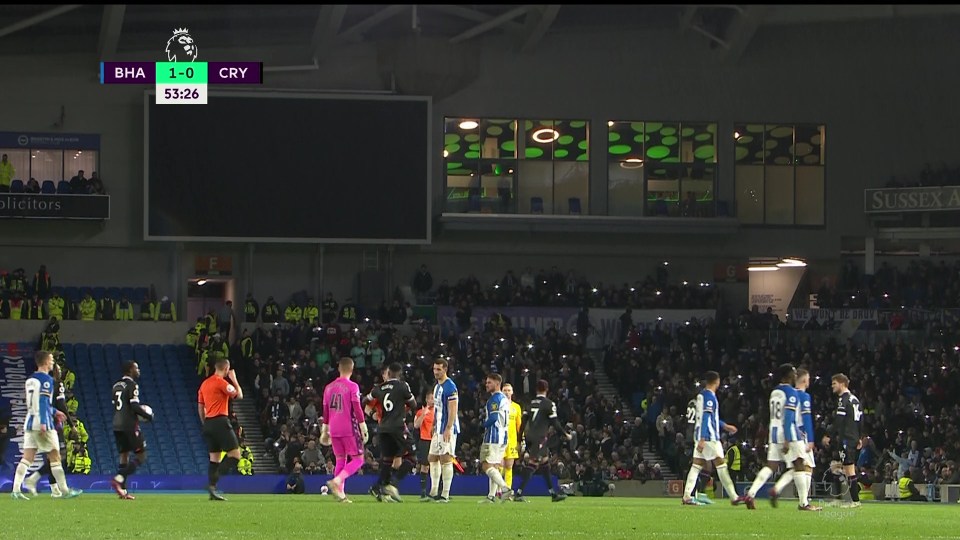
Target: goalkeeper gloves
column 325, row 435
column 364, row 432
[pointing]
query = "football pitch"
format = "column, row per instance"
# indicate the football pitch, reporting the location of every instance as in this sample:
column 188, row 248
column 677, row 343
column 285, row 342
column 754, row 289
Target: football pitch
column 188, row 516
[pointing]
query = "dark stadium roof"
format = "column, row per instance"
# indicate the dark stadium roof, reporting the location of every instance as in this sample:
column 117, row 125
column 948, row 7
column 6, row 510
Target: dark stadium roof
column 119, row 29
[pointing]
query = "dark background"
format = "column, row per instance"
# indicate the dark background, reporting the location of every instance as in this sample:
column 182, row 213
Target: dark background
column 284, row 167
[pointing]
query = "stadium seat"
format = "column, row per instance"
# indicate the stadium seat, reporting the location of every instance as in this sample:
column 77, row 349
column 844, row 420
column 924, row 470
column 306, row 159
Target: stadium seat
column 113, row 292
column 16, row 186
column 56, row 289
column 63, row 187
column 95, row 350
column 574, row 204
column 71, row 293
column 128, row 292
column 139, row 293
column 80, row 352
column 536, row 205
column 99, row 292
column 48, row 187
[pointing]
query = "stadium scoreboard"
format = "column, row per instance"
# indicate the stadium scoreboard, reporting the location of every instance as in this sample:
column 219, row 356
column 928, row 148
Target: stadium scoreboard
column 181, row 83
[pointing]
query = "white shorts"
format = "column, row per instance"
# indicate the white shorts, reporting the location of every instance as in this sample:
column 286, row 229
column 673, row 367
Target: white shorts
column 808, row 459
column 440, row 448
column 492, row 453
column 711, row 451
column 41, row 441
column 796, row 450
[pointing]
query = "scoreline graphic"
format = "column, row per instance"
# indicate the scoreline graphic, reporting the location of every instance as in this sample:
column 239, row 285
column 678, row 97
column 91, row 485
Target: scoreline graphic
column 181, row 83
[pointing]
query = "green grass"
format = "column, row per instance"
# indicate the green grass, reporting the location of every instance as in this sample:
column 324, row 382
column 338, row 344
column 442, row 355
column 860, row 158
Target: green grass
column 184, row 516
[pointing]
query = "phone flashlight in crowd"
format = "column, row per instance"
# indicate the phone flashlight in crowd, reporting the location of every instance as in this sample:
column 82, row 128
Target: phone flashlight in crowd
column 659, row 388
column 530, row 345
column 594, row 290
column 659, row 319
column 687, row 323
column 502, row 340
column 469, row 337
column 356, row 329
column 366, row 319
column 408, row 365
column 526, row 370
column 635, row 290
column 586, row 373
column 617, row 411
column 276, row 324
column 497, row 286
column 658, row 293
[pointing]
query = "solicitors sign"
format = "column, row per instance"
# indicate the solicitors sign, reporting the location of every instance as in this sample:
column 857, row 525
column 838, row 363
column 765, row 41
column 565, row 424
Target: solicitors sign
column 923, row 199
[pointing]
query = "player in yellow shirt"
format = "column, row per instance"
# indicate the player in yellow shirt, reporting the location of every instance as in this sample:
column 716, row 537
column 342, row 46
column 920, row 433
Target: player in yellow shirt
column 513, row 435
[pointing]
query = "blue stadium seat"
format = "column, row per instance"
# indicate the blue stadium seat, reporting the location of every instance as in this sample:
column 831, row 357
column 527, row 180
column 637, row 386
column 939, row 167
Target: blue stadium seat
column 113, row 292
column 574, row 203
column 126, row 352
column 96, row 354
column 140, row 352
column 63, row 187
column 71, row 293
column 80, row 353
column 111, row 354
column 536, row 205
column 57, row 289
column 99, row 292
column 139, row 293
column 48, row 187
column 16, row 186
column 128, row 292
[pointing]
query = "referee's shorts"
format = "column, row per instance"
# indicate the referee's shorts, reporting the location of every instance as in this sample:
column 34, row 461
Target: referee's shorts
column 219, row 434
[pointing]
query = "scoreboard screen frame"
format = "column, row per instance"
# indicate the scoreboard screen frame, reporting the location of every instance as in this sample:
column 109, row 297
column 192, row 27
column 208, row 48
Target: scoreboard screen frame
column 149, row 96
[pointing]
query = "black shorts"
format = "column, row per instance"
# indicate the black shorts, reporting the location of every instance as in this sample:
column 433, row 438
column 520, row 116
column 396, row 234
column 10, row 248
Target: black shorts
column 537, row 449
column 423, row 451
column 848, row 452
column 392, row 445
column 219, row 434
column 130, row 440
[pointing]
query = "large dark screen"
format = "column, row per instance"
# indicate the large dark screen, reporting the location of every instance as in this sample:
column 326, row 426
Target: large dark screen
column 284, row 168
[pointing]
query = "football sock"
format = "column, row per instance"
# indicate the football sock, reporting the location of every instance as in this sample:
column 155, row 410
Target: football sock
column 352, row 466
column 423, row 483
column 702, row 480
column 854, row 488
column 761, row 479
column 785, row 479
column 213, row 473
column 447, row 474
column 494, row 474
column 548, row 479
column 726, row 481
column 491, row 485
column 21, row 473
column 45, row 469
column 691, row 484
column 228, row 465
column 386, row 468
column 434, row 478
column 525, row 474
column 508, row 475
column 802, row 481
column 58, row 473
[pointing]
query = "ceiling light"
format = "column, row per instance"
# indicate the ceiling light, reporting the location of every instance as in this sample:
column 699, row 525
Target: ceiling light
column 762, row 268
column 445, row 153
column 545, row 135
column 736, row 134
column 793, row 261
column 201, row 282
column 469, row 124
column 791, row 265
column 631, row 163
column 610, row 123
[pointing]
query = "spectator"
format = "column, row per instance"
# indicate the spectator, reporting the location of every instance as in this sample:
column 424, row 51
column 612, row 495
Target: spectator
column 422, row 282
column 330, row 308
column 79, row 183
column 32, row 186
column 6, row 174
column 250, row 309
column 88, row 308
column 166, row 310
column 95, row 187
column 908, row 490
column 295, row 482
column 42, row 282
column 225, row 319
column 271, row 311
column 311, row 458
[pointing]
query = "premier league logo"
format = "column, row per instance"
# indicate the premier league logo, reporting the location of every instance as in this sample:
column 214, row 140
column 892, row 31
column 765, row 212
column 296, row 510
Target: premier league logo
column 181, row 44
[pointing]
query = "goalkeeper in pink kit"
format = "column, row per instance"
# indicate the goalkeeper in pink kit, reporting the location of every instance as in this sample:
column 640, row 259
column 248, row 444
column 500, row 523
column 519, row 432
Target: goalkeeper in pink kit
column 344, row 427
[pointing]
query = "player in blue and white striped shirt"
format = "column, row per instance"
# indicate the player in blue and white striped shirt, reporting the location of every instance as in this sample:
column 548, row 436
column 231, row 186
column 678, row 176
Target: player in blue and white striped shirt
column 39, row 430
column 495, row 438
column 784, row 444
column 707, row 448
column 446, row 426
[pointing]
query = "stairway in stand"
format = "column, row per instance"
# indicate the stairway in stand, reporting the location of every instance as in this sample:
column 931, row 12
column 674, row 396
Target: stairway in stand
column 246, row 411
column 610, row 392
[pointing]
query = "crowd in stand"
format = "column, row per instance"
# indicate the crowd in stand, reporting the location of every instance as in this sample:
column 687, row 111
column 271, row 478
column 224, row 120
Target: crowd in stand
column 908, row 394
column 553, row 288
column 290, row 365
column 923, row 284
column 929, row 176
column 79, row 184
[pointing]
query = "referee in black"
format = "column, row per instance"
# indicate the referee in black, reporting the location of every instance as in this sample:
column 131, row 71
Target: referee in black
column 845, row 432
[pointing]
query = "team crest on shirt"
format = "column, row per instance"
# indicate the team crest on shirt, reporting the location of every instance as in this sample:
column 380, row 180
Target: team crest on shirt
column 806, row 404
column 46, row 384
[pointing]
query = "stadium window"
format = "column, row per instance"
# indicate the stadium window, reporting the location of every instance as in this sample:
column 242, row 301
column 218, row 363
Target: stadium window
column 779, row 174
column 51, row 164
column 661, row 168
column 490, row 168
